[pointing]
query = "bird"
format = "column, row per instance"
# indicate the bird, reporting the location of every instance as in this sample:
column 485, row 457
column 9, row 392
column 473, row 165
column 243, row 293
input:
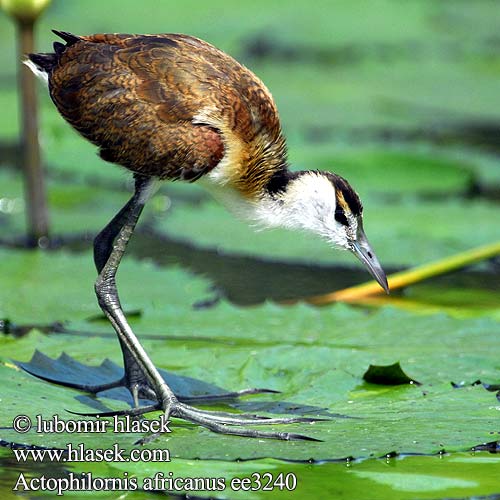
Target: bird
column 173, row 107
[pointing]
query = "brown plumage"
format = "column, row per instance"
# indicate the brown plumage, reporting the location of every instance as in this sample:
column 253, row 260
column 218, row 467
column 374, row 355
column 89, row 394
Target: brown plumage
column 169, row 106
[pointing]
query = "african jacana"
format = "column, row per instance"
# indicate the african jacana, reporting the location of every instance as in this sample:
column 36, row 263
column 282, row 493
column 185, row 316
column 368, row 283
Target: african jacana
column 172, row 107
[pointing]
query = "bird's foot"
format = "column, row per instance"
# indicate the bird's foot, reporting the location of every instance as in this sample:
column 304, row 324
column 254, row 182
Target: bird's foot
column 234, row 423
column 176, row 406
column 216, row 421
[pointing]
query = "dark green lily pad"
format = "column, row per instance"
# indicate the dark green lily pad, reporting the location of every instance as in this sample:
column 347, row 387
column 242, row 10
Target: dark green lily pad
column 387, row 375
column 67, row 372
column 446, row 476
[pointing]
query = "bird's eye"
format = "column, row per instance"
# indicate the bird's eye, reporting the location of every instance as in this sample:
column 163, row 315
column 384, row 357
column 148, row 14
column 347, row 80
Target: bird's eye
column 341, row 217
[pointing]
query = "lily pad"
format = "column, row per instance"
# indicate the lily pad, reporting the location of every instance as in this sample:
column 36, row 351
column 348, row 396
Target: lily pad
column 408, row 172
column 315, row 357
column 74, row 208
column 455, row 476
column 387, row 375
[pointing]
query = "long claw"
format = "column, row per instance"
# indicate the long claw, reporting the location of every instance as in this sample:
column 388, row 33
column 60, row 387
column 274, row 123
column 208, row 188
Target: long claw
column 226, row 395
column 220, row 422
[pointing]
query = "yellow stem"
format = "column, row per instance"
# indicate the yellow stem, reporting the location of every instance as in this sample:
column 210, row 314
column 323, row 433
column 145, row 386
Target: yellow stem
column 411, row 276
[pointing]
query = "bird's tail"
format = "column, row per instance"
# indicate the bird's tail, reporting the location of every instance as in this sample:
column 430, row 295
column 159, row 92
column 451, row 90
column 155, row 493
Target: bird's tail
column 43, row 64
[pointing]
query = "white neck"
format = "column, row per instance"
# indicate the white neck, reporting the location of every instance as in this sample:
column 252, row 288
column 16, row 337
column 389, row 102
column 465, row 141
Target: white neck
column 308, row 203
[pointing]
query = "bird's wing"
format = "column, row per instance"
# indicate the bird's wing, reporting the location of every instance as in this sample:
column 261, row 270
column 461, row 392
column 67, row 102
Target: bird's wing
column 164, row 105
column 118, row 92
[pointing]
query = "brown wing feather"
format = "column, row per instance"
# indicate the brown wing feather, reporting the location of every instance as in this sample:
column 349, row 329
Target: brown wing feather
column 138, row 98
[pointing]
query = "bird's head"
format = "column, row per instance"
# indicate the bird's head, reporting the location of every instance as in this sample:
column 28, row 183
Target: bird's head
column 325, row 204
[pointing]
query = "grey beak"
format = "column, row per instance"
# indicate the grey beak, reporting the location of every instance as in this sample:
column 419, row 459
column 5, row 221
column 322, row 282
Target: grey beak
column 363, row 251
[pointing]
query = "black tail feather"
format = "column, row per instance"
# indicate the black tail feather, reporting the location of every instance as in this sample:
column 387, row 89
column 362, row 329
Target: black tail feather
column 59, row 48
column 44, row 62
column 69, row 38
column 47, row 62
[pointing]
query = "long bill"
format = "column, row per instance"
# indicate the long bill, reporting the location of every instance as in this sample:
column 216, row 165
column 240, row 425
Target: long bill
column 362, row 249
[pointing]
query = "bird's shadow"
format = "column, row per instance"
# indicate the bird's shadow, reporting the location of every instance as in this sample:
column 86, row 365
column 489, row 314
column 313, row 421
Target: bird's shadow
column 68, row 372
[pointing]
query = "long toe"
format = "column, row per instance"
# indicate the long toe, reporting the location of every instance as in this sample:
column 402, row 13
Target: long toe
column 227, row 423
column 225, row 396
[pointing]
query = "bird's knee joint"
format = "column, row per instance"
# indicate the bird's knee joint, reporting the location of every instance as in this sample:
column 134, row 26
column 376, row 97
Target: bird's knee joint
column 106, row 291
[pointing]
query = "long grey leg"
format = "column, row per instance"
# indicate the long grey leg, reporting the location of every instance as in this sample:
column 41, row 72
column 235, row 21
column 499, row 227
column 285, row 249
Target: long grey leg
column 138, row 366
column 141, row 375
column 103, row 247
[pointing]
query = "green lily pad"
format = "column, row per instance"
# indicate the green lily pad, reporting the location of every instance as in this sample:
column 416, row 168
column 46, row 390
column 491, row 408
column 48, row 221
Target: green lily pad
column 316, row 357
column 387, row 375
column 453, row 476
column 382, row 171
column 74, row 208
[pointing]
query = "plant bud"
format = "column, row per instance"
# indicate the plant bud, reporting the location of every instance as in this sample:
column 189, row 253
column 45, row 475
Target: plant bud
column 24, row 11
